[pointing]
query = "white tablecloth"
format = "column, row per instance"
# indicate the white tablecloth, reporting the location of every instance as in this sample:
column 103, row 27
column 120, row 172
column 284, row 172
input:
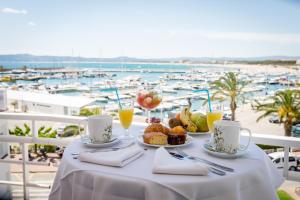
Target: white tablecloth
column 255, row 177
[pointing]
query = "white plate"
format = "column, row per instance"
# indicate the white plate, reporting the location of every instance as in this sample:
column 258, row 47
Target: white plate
column 209, row 149
column 198, row 133
column 86, row 141
column 188, row 141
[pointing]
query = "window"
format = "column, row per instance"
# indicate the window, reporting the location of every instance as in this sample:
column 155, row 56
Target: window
column 271, row 157
column 277, row 160
column 292, row 159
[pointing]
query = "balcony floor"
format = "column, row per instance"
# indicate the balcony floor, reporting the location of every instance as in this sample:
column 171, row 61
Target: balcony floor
column 290, row 188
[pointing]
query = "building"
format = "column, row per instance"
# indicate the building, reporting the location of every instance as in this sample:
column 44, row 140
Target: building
column 298, row 62
column 46, row 103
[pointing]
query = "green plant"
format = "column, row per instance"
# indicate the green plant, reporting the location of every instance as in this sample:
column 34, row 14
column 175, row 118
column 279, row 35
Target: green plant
column 264, row 146
column 90, row 111
column 283, row 195
column 17, row 131
column 71, row 130
column 50, row 148
column 285, row 104
column 229, row 86
column 46, row 132
column 42, row 132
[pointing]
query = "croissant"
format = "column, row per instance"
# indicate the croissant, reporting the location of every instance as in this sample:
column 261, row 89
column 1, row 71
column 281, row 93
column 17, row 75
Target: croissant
column 156, row 127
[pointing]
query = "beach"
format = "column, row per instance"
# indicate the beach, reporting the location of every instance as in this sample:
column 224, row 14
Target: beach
column 248, row 118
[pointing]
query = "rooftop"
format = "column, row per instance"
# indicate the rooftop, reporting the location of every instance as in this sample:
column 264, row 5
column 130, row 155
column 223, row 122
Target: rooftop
column 51, row 99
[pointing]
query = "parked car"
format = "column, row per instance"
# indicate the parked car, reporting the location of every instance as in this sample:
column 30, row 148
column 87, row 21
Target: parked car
column 296, row 130
column 278, row 160
column 274, row 119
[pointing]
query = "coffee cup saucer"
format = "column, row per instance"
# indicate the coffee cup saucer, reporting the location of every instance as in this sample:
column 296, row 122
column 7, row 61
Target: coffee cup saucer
column 86, row 141
column 210, row 149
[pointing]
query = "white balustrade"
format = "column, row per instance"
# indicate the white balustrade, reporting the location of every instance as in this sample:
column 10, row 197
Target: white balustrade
column 34, row 139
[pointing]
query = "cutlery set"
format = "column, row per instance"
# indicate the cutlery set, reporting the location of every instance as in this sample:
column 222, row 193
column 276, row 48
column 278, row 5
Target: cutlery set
column 214, row 167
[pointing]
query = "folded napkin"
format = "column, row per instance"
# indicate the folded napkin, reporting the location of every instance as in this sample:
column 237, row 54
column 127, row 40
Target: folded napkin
column 164, row 163
column 118, row 158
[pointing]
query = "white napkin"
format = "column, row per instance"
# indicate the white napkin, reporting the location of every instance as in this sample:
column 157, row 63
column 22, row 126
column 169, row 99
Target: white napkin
column 118, row 158
column 164, row 163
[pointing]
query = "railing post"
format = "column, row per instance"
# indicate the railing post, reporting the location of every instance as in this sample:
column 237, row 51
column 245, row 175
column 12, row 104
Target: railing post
column 84, row 127
column 25, row 171
column 286, row 161
column 34, row 133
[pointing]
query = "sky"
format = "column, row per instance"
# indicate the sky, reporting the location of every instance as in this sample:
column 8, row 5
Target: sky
column 150, row 29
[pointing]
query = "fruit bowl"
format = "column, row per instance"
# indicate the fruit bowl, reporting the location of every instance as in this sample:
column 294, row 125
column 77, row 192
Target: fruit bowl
column 149, row 99
column 193, row 123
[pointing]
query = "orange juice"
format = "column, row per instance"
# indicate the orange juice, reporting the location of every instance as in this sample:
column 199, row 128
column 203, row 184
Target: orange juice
column 211, row 117
column 126, row 116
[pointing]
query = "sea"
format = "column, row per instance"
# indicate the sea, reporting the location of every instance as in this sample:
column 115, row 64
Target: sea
column 113, row 66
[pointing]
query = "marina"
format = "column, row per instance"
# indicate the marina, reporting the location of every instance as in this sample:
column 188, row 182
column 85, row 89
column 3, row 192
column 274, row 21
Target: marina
column 176, row 82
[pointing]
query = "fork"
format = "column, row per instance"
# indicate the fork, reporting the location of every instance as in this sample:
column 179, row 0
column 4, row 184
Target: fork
column 211, row 169
column 183, row 154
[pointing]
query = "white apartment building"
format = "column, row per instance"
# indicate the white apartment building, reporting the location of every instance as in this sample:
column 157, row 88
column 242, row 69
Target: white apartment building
column 46, row 103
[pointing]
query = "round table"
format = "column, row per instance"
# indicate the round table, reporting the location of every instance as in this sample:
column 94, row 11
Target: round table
column 255, row 177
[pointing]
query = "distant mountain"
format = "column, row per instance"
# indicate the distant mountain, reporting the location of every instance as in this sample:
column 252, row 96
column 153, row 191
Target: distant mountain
column 33, row 58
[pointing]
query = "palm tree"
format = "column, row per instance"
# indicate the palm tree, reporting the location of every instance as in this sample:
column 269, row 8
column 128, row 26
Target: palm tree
column 90, row 111
column 229, row 86
column 286, row 104
column 15, row 105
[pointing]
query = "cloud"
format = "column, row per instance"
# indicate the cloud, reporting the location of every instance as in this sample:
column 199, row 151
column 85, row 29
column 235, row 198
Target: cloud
column 276, row 38
column 31, row 24
column 252, row 36
column 13, row 11
column 171, row 33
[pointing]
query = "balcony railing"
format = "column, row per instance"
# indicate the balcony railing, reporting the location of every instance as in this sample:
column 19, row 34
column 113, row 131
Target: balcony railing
column 286, row 142
column 24, row 141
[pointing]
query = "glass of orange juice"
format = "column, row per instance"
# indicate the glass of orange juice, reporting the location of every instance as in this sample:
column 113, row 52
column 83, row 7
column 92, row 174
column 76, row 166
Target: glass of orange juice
column 126, row 111
column 214, row 115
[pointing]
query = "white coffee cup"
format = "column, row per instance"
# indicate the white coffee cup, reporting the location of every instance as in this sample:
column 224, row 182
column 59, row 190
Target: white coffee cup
column 226, row 136
column 100, row 128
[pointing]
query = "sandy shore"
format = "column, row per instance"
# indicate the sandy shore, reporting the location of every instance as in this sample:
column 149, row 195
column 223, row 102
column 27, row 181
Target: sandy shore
column 248, row 117
column 270, row 69
column 247, row 67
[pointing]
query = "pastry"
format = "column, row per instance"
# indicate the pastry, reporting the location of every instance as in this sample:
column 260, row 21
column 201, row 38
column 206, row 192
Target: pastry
column 173, row 122
column 174, row 139
column 177, row 136
column 179, row 130
column 155, row 138
column 156, row 127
